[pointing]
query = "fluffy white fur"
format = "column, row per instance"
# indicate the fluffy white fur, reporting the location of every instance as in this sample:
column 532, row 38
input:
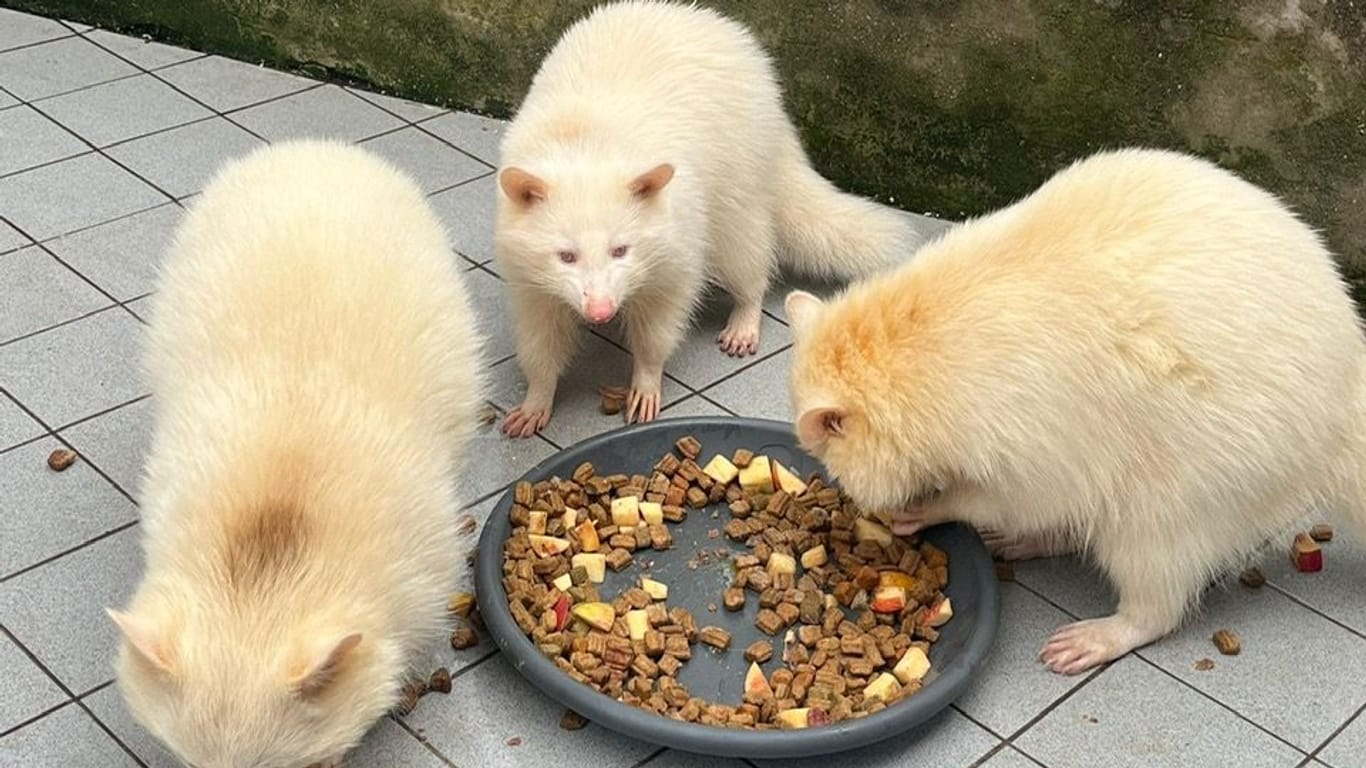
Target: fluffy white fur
column 315, row 371
column 1148, row 360
column 653, row 153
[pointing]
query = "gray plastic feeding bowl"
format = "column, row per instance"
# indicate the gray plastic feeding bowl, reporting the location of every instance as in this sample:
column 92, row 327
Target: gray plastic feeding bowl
column 716, row 675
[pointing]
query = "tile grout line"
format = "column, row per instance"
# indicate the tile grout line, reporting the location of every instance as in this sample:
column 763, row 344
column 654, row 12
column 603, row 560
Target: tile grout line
column 649, row 758
column 49, row 560
column 1009, row 741
column 1300, row 602
column 1315, row 754
column 44, row 41
column 63, row 323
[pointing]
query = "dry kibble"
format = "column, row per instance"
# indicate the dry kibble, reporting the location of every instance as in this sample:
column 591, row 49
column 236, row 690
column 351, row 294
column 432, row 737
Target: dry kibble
column 689, row 447
column 1321, row 532
column 1252, row 578
column 759, row 651
column 464, row 637
column 60, row 459
column 572, row 721
column 1204, row 665
column 769, row 622
column 1227, row 642
column 715, row 637
column 440, row 681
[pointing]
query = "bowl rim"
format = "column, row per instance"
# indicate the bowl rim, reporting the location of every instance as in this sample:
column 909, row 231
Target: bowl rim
column 647, row 726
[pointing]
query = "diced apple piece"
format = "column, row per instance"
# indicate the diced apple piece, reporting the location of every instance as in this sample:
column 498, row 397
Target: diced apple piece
column 784, row 479
column 938, row 614
column 626, row 512
column 888, row 600
column 536, row 521
column 637, row 623
column 599, row 616
column 792, row 718
column 652, row 512
column 593, row 562
column 758, row 476
column 657, row 590
column 884, row 686
column 548, row 546
column 914, row 665
column 815, row 557
column 756, row 685
column 869, row 530
column 571, row 518
column 720, row 469
column 563, row 582
column 588, row 536
column 561, row 613
column 781, row 563
column 1306, row 555
column 895, row 578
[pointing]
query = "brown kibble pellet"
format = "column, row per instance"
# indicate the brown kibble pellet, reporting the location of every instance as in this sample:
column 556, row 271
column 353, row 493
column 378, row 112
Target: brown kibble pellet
column 759, row 651
column 742, row 457
column 610, row 405
column 769, row 622
column 1321, row 532
column 463, row 638
column 689, row 447
column 618, row 559
column 715, row 637
column 788, row 612
column 733, row 598
column 572, row 721
column 1227, row 642
column 1204, row 665
column 440, row 681
column 60, row 459
column 1252, row 578
column 697, row 498
column 677, row 646
column 669, row 666
column 659, row 536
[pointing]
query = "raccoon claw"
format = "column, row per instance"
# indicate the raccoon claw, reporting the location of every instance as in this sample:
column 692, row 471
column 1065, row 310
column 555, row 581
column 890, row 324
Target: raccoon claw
column 525, row 421
column 1076, row 648
column 741, row 335
column 641, row 407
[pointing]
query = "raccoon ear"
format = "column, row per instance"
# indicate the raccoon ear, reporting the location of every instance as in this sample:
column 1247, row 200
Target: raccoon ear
column 144, row 637
column 321, row 669
column 802, row 308
column 521, row 187
column 818, row 425
column 647, row 184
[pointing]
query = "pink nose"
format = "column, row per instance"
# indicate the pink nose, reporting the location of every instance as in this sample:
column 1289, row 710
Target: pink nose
column 599, row 310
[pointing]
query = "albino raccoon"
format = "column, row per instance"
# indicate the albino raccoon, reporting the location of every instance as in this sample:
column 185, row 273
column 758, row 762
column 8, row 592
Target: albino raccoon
column 1148, row 360
column 315, row 380
column 652, row 155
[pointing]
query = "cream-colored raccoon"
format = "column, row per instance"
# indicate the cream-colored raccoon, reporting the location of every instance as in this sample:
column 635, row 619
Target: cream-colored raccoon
column 651, row 156
column 315, row 374
column 1148, row 360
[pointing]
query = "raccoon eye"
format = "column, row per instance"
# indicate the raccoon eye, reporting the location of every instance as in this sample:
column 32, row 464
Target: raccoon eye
column 620, row 251
column 568, row 257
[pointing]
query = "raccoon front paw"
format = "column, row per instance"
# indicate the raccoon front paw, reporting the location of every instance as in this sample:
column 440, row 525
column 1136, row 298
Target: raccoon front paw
column 1076, row 648
column 526, row 420
column 643, row 404
column 741, row 334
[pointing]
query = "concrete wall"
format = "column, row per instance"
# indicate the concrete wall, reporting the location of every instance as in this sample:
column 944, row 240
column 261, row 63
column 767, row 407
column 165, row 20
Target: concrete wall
column 952, row 107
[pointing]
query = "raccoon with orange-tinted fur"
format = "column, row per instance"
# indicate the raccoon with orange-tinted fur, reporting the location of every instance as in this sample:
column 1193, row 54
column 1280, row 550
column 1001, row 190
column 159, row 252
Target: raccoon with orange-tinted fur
column 315, row 373
column 1148, row 360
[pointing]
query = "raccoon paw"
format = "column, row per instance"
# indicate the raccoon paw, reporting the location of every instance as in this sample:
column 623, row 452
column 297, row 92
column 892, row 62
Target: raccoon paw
column 525, row 420
column 1076, row 648
column 741, row 335
column 642, row 405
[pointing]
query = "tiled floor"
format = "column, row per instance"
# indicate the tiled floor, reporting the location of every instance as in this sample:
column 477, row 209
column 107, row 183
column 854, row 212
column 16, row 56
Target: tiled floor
column 102, row 139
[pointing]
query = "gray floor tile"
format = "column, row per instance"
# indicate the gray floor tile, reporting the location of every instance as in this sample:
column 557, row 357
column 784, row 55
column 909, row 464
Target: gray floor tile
column 10, row 238
column 1071, row 583
column 433, row 164
column 1336, row 590
column 18, row 29
column 779, row 289
column 1264, row 683
column 38, row 292
column 226, row 84
column 47, row 512
column 1010, row 758
column 141, row 308
column 182, row 160
column 467, row 212
column 140, row 51
column 760, row 392
column 25, row 692
column 58, row 66
column 480, row 136
column 493, row 460
column 75, row 193
column 58, row 610
column 15, row 425
column 948, row 741
column 122, row 256
column 675, row 759
column 76, row 370
column 1014, row 687
column 68, row 738
column 387, row 744
column 578, row 415
column 107, row 704
column 1133, row 715
column 28, row 139
column 326, row 112
column 491, row 704
column 691, row 406
column 117, row 442
column 6, row 100
column 1347, row 749
column 699, row 363
column 488, row 299
column 122, row 109
column 408, row 110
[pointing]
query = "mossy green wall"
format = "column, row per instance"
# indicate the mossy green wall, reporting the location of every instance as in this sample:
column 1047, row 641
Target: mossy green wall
column 947, row 106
